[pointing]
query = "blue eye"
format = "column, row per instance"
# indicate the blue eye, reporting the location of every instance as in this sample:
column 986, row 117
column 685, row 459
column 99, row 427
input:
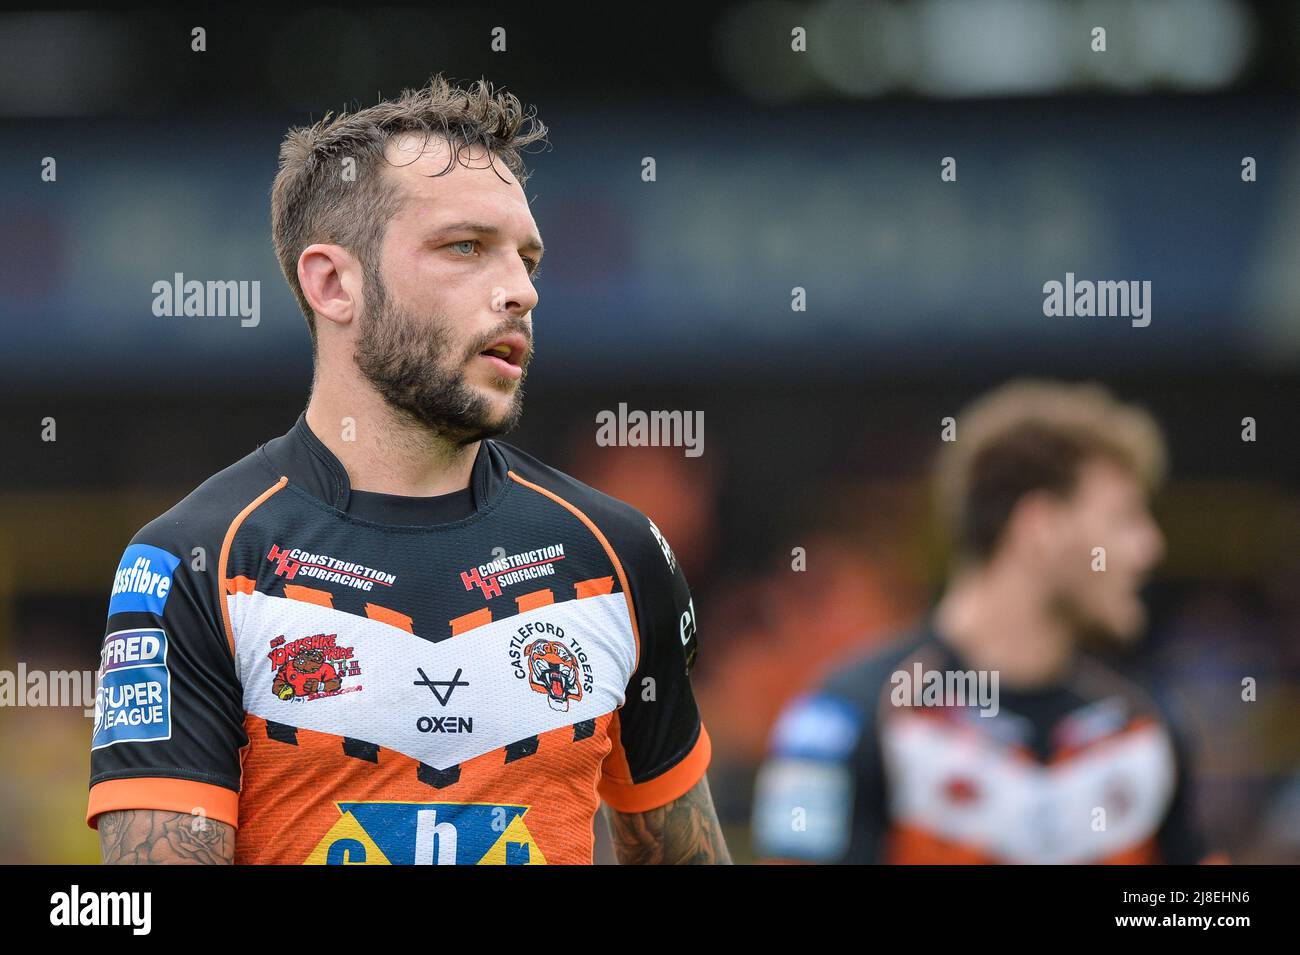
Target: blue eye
column 472, row 243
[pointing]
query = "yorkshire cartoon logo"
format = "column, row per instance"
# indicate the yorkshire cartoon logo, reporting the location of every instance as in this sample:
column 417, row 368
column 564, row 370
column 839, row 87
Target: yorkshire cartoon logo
column 310, row 668
column 427, row 833
column 553, row 670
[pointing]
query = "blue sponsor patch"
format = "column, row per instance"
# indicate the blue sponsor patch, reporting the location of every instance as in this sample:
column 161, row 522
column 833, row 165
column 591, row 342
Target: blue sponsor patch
column 133, row 702
column 143, row 580
column 817, row 727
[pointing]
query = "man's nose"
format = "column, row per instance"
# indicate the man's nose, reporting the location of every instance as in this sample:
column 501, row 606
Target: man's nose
column 517, row 295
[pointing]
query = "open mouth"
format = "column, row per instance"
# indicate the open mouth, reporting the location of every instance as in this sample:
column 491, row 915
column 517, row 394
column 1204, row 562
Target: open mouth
column 554, row 678
column 506, row 354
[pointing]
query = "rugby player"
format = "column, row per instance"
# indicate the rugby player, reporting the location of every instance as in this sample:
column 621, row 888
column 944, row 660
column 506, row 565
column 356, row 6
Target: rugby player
column 385, row 637
column 991, row 734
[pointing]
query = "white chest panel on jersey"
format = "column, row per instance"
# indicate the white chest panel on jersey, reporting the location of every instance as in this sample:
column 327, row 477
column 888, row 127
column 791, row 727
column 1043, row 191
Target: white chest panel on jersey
column 439, row 703
column 968, row 789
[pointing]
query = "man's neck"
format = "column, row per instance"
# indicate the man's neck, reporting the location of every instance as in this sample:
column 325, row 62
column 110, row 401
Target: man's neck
column 383, row 451
column 996, row 622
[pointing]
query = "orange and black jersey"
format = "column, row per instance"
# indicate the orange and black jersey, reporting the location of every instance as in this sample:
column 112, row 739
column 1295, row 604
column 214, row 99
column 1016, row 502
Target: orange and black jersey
column 1084, row 770
column 351, row 677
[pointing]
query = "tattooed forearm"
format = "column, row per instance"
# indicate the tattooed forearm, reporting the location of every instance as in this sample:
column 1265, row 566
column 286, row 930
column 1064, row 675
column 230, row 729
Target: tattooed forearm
column 684, row 832
column 155, row 837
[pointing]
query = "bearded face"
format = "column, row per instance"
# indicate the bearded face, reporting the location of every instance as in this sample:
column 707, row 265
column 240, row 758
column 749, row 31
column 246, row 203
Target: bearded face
column 418, row 364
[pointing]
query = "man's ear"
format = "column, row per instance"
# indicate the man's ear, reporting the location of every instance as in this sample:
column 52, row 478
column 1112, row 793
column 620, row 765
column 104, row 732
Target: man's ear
column 1034, row 526
column 330, row 277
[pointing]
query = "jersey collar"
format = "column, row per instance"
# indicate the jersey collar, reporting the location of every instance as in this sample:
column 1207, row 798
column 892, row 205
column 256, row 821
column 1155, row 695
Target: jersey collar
column 305, row 460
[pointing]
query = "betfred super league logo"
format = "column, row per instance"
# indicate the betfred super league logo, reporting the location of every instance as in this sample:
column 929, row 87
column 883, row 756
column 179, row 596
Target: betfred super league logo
column 311, row 667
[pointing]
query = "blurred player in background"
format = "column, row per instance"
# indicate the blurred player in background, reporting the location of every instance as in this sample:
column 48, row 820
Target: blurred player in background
column 988, row 735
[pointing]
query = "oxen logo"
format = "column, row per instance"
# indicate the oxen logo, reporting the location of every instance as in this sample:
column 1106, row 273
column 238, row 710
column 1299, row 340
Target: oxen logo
column 553, row 670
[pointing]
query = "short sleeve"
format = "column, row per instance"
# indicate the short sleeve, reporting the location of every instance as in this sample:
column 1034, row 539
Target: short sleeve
column 660, row 747
column 168, row 709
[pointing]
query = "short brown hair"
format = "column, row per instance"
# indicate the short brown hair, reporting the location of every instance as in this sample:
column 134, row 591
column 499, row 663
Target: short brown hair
column 1035, row 435
column 312, row 202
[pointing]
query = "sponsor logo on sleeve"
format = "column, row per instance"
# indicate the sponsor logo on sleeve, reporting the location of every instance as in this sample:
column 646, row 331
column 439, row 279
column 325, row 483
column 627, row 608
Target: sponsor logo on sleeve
column 133, row 703
column 663, row 545
column 143, row 581
column 686, row 627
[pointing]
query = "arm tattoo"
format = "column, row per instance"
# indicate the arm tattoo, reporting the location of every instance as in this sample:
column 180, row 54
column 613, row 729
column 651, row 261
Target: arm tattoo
column 156, row 837
column 684, row 832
